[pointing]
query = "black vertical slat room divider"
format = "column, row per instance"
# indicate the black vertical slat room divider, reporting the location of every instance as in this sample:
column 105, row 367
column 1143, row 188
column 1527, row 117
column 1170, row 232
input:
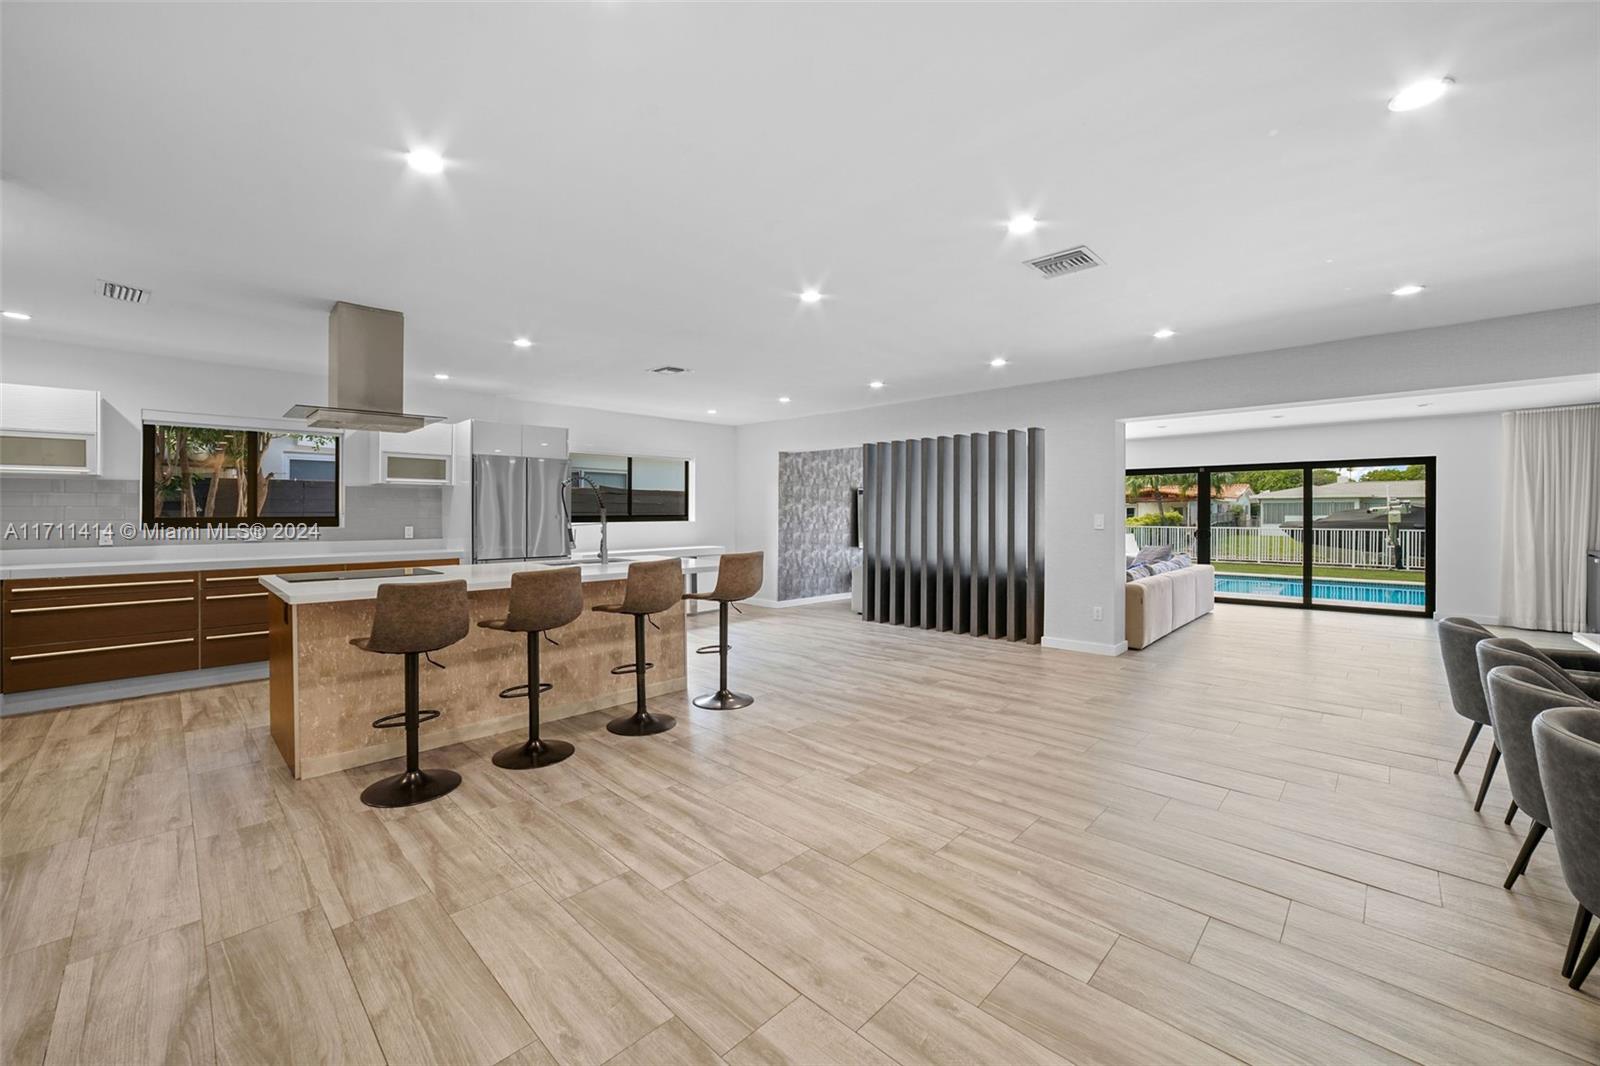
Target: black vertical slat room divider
column 952, row 534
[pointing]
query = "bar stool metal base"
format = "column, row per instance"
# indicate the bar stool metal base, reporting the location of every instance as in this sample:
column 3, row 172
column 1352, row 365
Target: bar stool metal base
column 531, row 753
column 723, row 700
column 410, row 788
column 641, row 724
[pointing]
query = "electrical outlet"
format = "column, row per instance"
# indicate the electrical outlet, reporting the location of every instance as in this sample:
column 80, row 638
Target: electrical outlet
column 409, row 531
column 1098, row 613
column 105, row 536
column 1099, row 521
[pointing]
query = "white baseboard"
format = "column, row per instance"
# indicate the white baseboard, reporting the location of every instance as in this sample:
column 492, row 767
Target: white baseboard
column 48, row 699
column 1090, row 647
column 832, row 597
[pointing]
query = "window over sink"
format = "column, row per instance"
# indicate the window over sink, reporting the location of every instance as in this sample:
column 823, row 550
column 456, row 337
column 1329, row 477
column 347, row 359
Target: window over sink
column 634, row 488
column 223, row 476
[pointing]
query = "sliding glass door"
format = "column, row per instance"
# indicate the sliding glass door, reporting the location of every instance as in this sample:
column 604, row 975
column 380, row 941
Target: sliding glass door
column 1354, row 535
column 1256, row 559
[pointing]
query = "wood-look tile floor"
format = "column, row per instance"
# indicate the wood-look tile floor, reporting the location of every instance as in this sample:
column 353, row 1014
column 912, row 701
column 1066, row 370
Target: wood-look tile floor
column 1242, row 844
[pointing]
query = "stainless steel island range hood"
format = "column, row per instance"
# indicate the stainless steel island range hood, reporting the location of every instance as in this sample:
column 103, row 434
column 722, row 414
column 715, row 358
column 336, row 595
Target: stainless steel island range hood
column 366, row 374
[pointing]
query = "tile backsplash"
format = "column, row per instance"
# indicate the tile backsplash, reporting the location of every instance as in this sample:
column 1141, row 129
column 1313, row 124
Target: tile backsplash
column 370, row 512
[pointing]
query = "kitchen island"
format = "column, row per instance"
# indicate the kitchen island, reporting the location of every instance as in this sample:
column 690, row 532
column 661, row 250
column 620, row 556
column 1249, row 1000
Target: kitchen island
column 324, row 693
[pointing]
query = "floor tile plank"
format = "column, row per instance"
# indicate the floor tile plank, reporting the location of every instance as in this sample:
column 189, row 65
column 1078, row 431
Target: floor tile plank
column 428, row 994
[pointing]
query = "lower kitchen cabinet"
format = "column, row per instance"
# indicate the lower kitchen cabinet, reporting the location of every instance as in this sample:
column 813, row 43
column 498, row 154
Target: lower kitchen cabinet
column 77, row 630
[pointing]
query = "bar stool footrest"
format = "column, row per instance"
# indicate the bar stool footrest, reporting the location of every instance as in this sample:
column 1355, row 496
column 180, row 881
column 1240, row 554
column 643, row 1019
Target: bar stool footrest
column 520, row 692
column 631, row 668
column 397, row 720
column 713, row 649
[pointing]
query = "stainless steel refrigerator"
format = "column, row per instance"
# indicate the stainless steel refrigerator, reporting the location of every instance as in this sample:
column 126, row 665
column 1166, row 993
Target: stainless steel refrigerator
column 518, row 508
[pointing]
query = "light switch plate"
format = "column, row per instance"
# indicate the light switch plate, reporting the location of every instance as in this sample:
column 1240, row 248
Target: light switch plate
column 409, row 531
column 1099, row 521
column 105, row 536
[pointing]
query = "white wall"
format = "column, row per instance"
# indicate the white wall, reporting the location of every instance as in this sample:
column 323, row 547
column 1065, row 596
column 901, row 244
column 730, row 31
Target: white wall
column 1084, row 441
column 1466, row 497
column 130, row 384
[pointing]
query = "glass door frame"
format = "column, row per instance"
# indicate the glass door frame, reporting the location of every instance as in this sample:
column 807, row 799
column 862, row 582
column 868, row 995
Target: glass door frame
column 1305, row 602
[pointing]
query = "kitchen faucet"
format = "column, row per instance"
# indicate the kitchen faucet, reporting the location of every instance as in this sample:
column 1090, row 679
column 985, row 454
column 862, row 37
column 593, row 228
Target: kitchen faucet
column 572, row 540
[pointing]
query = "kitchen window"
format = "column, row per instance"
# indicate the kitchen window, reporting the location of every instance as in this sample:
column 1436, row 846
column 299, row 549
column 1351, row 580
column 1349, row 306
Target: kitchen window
column 217, row 476
column 634, row 488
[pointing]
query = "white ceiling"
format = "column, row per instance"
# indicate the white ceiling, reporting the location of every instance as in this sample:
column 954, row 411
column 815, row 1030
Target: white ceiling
column 639, row 184
column 1549, row 392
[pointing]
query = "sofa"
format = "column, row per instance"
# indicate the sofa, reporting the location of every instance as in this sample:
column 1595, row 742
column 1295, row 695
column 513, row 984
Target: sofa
column 1158, row 604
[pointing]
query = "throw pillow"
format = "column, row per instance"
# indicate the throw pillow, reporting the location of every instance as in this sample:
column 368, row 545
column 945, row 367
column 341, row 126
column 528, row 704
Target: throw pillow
column 1154, row 553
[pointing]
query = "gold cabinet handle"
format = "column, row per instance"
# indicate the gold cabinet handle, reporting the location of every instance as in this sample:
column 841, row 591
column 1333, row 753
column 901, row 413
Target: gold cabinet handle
column 107, row 647
column 235, row 577
column 238, row 596
column 96, row 606
column 102, row 585
column 236, row 636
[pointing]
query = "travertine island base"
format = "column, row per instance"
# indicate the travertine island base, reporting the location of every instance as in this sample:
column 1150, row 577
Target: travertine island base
column 325, row 693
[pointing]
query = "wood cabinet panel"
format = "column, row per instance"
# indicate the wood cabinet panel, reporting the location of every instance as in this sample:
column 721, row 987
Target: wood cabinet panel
column 242, row 605
column 74, row 630
column 238, row 644
column 80, row 662
column 135, row 618
column 91, row 588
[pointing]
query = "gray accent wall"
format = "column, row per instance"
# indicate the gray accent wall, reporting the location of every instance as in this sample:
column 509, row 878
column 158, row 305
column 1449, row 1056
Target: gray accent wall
column 815, row 498
column 370, row 512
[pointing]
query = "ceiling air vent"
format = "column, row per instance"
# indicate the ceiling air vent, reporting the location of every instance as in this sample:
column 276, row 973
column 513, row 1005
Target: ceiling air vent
column 127, row 294
column 668, row 370
column 1071, row 261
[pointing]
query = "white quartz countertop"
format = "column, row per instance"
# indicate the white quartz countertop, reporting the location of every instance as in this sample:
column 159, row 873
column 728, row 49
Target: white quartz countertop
column 478, row 576
column 681, row 552
column 65, row 562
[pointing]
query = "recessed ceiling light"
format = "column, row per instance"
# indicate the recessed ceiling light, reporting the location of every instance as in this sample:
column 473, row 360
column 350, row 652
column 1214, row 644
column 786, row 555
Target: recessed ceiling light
column 1021, row 225
column 998, row 360
column 1163, row 333
column 522, row 342
column 18, row 315
column 1420, row 94
column 1407, row 290
column 874, row 384
column 783, row 399
column 711, row 410
column 441, row 377
column 810, row 296
column 425, row 161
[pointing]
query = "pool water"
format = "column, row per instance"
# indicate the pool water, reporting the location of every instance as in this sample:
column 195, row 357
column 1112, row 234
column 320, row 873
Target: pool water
column 1384, row 593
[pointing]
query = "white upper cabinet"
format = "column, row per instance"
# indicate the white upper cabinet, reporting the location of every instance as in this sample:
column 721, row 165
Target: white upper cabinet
column 421, row 457
column 544, row 442
column 47, row 430
column 496, row 438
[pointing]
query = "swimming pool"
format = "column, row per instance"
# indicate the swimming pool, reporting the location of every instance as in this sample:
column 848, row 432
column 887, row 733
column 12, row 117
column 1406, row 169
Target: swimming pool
column 1384, row 593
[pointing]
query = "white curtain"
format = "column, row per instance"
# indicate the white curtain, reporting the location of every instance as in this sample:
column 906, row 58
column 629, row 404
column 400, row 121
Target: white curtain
column 1552, row 516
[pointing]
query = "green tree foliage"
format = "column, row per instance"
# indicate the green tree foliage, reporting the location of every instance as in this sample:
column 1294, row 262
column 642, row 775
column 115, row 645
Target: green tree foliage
column 1270, row 480
column 1414, row 472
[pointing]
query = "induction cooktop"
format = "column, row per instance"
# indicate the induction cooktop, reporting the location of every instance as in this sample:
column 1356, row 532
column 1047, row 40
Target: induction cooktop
column 357, row 575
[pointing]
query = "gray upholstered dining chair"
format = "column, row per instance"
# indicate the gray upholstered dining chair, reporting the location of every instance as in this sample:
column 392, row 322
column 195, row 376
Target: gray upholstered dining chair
column 1518, row 695
column 1507, row 651
column 1567, row 742
column 1458, row 642
column 1575, row 667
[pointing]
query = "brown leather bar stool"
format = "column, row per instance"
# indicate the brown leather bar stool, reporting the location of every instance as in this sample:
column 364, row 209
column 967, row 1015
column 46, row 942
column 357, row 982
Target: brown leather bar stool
column 541, row 600
column 738, row 578
column 412, row 620
column 652, row 588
